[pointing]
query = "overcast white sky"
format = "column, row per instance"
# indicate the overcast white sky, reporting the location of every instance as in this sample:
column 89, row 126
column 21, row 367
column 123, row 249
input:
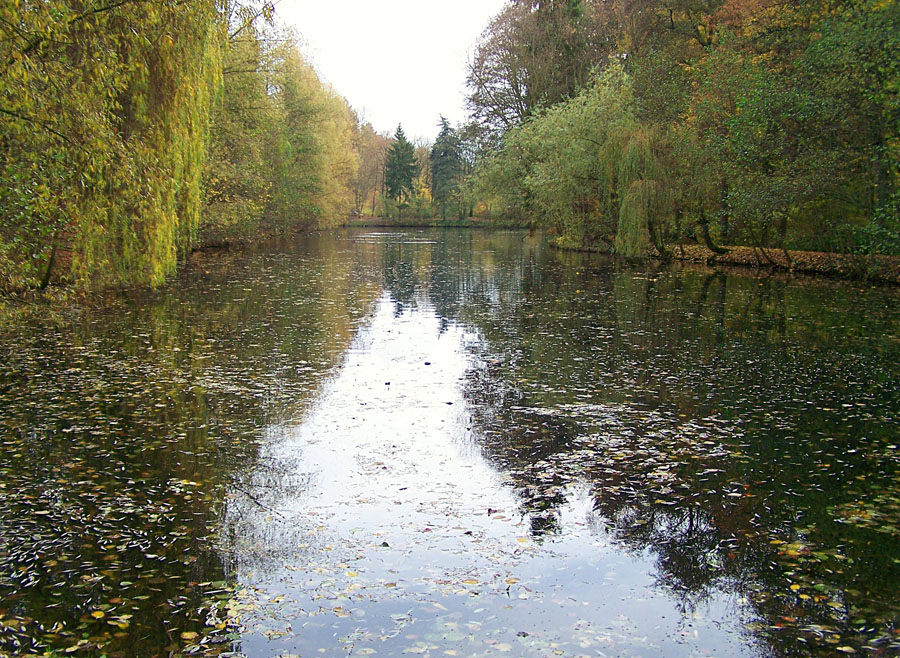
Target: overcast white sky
column 395, row 61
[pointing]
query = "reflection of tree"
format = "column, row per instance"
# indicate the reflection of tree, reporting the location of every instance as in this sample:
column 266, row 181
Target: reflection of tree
column 126, row 427
column 714, row 420
column 691, row 405
column 688, row 403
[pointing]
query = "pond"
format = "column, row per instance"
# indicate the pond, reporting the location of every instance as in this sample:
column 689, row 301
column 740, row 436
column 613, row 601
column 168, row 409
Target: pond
column 449, row 443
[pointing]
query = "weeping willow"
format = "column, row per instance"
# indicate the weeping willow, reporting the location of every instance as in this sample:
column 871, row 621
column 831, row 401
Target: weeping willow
column 563, row 165
column 647, row 196
column 104, row 120
column 149, row 209
column 118, row 134
column 595, row 175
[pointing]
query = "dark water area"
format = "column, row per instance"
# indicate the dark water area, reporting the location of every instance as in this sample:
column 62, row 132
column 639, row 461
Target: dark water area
column 453, row 443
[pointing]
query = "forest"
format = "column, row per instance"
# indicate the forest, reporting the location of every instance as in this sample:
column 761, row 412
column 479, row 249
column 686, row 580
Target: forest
column 646, row 123
column 132, row 133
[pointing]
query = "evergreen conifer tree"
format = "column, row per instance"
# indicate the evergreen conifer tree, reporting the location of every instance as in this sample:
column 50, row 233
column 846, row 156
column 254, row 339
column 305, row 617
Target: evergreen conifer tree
column 446, row 166
column 400, row 167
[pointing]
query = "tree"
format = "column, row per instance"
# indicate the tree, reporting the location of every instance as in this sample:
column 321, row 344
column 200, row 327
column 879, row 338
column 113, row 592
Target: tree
column 314, row 161
column 104, row 122
column 237, row 174
column 446, row 166
column 130, row 130
column 760, row 122
column 798, row 110
column 372, row 149
column 533, row 55
column 400, row 168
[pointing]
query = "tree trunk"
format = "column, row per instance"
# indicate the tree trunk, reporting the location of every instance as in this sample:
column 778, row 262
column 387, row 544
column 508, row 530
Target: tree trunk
column 45, row 281
column 657, row 241
column 703, row 223
column 724, row 225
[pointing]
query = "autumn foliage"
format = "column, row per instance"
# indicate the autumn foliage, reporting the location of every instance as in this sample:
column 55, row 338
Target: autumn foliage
column 764, row 123
column 132, row 132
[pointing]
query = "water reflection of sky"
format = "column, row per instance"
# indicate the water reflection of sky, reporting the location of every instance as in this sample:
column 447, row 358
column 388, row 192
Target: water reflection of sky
column 374, row 524
column 635, row 462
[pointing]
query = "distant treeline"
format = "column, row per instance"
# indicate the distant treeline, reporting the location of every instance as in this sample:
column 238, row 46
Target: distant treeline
column 133, row 131
column 640, row 124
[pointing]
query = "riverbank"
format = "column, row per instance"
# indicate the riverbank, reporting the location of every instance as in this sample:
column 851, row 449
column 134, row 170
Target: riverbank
column 873, row 268
column 883, row 269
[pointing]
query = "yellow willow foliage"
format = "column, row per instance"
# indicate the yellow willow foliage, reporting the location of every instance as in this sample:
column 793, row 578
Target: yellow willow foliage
column 237, row 176
column 104, row 120
column 646, row 193
column 154, row 213
column 315, row 162
column 633, row 237
column 340, row 159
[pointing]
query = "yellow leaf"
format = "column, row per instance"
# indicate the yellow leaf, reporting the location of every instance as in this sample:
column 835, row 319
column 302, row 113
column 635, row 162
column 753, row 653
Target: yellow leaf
column 189, row 635
column 470, row 581
column 98, row 614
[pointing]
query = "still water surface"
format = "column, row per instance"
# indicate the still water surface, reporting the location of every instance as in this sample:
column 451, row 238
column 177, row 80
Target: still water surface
column 453, row 443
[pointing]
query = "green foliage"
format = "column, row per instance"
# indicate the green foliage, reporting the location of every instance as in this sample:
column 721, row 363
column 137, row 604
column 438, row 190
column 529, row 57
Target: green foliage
column 104, row 118
column 107, row 157
column 400, row 168
column 313, row 160
column 589, row 171
column 237, row 178
column 446, row 167
column 773, row 125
